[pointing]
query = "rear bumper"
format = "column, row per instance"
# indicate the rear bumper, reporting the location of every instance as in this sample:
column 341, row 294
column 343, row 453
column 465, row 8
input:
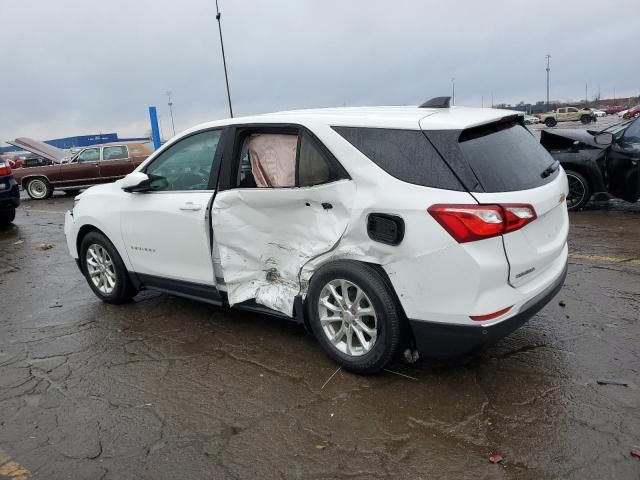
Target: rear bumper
column 443, row 340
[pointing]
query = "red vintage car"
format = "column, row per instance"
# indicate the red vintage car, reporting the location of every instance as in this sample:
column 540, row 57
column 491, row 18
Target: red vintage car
column 612, row 109
column 633, row 112
column 70, row 173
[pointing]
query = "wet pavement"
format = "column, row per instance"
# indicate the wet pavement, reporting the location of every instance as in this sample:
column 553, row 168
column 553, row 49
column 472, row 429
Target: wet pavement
column 168, row 388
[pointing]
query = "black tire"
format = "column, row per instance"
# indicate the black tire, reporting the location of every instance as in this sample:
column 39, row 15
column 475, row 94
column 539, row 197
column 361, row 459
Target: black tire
column 579, row 190
column 585, row 119
column 550, row 122
column 71, row 193
column 38, row 188
column 123, row 290
column 390, row 327
column 7, row 216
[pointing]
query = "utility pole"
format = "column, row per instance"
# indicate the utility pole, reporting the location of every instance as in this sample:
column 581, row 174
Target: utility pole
column 482, row 101
column 173, row 126
column 548, row 69
column 491, row 99
column 586, row 97
column 224, row 60
column 453, row 90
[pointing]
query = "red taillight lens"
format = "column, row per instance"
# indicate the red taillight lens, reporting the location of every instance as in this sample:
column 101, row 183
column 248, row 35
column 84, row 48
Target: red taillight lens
column 5, row 169
column 467, row 223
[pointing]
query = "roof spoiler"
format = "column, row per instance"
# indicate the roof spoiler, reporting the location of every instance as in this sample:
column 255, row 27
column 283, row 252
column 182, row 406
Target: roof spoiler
column 437, row 102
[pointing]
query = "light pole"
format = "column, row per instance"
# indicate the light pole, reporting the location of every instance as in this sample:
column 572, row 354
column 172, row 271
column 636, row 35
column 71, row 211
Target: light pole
column 224, row 60
column 548, row 69
column 586, row 95
column 453, row 90
column 173, row 126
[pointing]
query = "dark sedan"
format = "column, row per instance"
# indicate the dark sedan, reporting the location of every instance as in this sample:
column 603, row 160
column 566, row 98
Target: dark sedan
column 9, row 194
column 599, row 164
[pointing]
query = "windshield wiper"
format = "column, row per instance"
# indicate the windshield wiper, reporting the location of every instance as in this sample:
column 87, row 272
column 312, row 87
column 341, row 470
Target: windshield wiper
column 550, row 169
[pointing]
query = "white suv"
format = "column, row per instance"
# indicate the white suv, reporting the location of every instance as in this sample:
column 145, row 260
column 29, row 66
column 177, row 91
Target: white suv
column 381, row 229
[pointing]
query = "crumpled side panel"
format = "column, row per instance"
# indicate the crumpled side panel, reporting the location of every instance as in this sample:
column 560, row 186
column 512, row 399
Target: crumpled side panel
column 265, row 236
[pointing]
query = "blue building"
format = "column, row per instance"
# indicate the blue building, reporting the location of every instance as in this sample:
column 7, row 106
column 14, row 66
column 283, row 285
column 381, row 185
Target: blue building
column 81, row 141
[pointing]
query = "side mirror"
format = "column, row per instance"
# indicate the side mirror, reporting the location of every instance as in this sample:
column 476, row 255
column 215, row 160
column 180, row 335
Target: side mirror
column 604, row 138
column 136, row 182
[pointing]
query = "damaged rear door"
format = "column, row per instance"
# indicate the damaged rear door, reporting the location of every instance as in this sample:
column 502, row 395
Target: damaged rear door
column 286, row 201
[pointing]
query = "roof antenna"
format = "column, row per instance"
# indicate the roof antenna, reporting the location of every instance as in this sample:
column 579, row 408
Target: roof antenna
column 437, row 102
column 224, row 60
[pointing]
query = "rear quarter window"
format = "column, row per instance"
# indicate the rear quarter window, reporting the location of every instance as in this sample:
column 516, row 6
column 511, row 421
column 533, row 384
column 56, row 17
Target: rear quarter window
column 404, row 154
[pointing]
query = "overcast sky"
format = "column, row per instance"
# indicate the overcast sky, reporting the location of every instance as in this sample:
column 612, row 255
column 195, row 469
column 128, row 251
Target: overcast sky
column 72, row 67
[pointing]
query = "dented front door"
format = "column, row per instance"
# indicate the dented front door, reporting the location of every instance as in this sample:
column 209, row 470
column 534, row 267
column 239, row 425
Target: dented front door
column 266, row 235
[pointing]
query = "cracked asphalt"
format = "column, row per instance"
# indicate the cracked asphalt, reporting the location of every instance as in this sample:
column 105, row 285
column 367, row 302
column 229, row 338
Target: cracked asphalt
column 166, row 388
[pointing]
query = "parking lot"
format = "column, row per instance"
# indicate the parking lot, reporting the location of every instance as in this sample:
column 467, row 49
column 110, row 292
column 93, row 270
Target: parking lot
column 169, row 388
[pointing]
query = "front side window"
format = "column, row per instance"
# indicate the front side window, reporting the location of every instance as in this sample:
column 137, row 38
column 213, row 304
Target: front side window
column 89, row 155
column 115, row 153
column 185, row 165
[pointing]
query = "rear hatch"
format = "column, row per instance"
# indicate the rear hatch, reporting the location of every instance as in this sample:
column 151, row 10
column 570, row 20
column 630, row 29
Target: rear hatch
column 502, row 163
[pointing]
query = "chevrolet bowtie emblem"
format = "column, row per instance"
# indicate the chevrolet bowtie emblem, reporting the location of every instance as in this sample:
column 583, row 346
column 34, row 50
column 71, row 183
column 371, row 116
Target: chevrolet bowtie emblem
column 563, row 197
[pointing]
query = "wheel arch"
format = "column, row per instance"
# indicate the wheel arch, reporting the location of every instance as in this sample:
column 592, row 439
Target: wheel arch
column 28, row 178
column 88, row 228
column 379, row 269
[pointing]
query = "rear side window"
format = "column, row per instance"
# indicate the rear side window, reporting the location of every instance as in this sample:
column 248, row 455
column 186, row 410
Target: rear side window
column 404, row 154
column 314, row 167
column 505, row 157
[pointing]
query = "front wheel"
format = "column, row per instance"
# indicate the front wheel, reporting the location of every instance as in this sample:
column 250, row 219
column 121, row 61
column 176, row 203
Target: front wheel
column 579, row 190
column 7, row 216
column 104, row 270
column 354, row 316
column 585, row 119
column 39, row 189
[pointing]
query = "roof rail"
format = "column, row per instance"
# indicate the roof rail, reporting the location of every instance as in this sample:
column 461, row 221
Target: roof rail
column 437, row 102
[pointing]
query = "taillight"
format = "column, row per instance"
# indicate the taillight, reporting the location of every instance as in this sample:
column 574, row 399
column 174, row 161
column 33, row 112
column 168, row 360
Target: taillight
column 5, row 169
column 467, row 223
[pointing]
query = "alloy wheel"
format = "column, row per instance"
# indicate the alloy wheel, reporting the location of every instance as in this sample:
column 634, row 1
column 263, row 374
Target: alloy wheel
column 347, row 317
column 101, row 268
column 577, row 191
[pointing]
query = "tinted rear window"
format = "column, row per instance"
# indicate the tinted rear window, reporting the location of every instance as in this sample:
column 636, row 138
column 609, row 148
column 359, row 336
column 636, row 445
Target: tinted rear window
column 405, row 154
column 505, row 157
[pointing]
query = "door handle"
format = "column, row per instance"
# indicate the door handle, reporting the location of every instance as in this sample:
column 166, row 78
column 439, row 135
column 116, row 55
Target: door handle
column 190, row 206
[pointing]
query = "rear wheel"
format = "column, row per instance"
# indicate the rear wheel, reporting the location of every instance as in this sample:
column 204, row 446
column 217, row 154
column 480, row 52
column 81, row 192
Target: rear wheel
column 550, row 122
column 354, row 316
column 7, row 216
column 104, row 270
column 39, row 188
column 579, row 190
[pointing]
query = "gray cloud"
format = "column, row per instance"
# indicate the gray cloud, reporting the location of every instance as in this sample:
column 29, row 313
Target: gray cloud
column 74, row 67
